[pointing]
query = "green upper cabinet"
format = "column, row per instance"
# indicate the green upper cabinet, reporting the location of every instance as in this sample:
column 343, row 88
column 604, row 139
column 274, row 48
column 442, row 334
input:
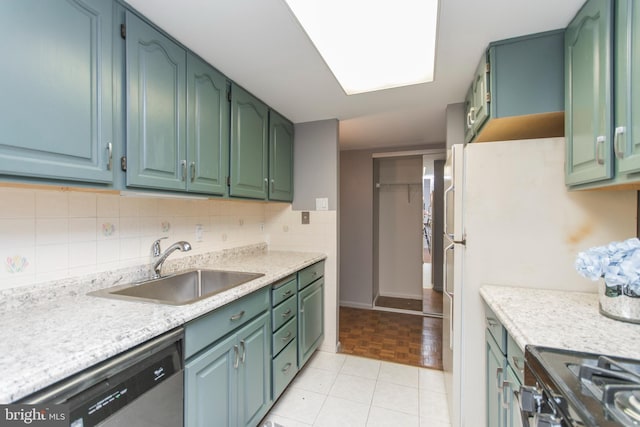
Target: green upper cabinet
column 208, row 115
column 156, row 108
column 178, row 115
column 588, row 52
column 56, row 117
column 517, row 90
column 280, row 158
column 249, row 145
column 627, row 87
column 477, row 100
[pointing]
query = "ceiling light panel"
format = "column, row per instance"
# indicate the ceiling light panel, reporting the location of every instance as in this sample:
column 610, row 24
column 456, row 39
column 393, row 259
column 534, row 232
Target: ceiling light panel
column 372, row 44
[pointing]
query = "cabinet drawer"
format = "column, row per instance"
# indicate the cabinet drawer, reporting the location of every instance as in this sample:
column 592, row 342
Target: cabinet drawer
column 285, row 367
column 285, row 335
column 495, row 328
column 515, row 358
column 310, row 274
column 285, row 289
column 284, row 312
column 209, row 328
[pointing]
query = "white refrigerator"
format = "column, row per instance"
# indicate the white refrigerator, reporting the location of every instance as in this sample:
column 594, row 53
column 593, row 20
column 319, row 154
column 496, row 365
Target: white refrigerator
column 511, row 221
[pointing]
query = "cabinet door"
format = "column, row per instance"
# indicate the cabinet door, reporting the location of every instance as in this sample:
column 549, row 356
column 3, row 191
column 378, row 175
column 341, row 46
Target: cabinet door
column 627, row 87
column 156, row 134
column 480, row 94
column 468, row 125
column 588, row 39
column 494, row 377
column 510, row 390
column 211, row 387
column 254, row 396
column 56, row 113
column 311, row 320
column 208, row 112
column 249, row 145
column 280, row 158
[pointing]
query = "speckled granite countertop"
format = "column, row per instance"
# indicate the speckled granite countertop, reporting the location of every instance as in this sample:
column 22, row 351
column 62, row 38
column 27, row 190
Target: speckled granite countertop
column 52, row 332
column 569, row 320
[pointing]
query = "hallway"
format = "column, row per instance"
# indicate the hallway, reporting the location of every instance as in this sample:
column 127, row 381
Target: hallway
column 395, row 337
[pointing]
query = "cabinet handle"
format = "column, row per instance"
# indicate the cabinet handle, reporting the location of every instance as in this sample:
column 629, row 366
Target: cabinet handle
column 599, row 140
column 616, row 141
column 244, row 351
column 516, row 363
column 272, row 185
column 505, row 403
column 286, row 368
column 286, row 336
column 266, row 182
column 286, row 313
column 237, row 316
column 109, row 156
column 472, row 115
column 236, row 362
column 492, row 322
column 193, row 171
column 183, row 163
column 499, row 382
column 286, row 294
column 469, row 120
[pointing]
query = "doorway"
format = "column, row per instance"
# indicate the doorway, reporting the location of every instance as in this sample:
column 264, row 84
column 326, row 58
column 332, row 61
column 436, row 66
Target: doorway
column 407, row 217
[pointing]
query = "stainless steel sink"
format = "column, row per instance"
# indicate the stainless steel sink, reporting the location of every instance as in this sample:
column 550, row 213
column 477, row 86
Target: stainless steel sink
column 180, row 288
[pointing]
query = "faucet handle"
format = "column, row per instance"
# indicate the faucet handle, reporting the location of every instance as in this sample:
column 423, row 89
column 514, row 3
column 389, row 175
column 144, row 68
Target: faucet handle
column 155, row 247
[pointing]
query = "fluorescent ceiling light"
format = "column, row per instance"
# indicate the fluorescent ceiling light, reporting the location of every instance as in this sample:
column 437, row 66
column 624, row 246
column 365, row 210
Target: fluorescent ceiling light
column 372, row 44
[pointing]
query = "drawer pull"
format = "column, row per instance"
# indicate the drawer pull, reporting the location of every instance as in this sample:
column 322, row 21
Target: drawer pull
column 499, row 383
column 492, row 322
column 314, row 274
column 286, row 313
column 286, row 294
column 286, row 336
column 516, row 363
column 237, row 316
column 236, row 362
column 286, row 368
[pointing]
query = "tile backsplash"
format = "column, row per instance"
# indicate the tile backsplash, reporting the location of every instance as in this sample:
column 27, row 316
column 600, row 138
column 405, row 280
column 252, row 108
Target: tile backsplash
column 51, row 234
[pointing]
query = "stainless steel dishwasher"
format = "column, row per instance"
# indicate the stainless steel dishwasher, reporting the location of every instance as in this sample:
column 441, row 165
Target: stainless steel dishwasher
column 143, row 386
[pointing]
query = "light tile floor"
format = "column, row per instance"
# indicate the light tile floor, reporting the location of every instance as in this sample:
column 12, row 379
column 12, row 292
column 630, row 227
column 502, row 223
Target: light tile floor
column 343, row 390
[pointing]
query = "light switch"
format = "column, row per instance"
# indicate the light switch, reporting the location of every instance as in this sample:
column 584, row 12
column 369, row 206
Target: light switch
column 322, row 204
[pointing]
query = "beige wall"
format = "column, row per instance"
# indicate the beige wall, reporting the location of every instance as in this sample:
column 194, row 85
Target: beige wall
column 50, row 234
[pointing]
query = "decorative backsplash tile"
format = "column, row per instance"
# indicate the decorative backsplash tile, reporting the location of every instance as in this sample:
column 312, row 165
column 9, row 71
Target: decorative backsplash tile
column 16, row 264
column 108, row 228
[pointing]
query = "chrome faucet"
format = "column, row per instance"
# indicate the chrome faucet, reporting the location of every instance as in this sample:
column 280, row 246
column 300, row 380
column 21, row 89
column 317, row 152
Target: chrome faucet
column 155, row 248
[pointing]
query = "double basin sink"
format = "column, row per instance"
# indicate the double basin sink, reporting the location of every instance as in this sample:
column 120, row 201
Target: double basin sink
column 180, row 288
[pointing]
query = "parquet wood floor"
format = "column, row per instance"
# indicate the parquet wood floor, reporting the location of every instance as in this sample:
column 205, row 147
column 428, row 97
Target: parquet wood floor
column 395, row 337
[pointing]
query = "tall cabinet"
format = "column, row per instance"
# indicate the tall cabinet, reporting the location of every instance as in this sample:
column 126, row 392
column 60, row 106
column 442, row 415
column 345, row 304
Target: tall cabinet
column 280, row 158
column 56, row 116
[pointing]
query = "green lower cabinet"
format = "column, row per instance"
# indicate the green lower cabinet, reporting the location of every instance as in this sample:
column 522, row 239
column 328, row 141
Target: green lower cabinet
column 310, row 320
column 229, row 384
column 511, row 388
column 495, row 365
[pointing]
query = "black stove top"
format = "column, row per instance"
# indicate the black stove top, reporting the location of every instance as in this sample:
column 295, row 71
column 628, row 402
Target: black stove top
column 586, row 389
